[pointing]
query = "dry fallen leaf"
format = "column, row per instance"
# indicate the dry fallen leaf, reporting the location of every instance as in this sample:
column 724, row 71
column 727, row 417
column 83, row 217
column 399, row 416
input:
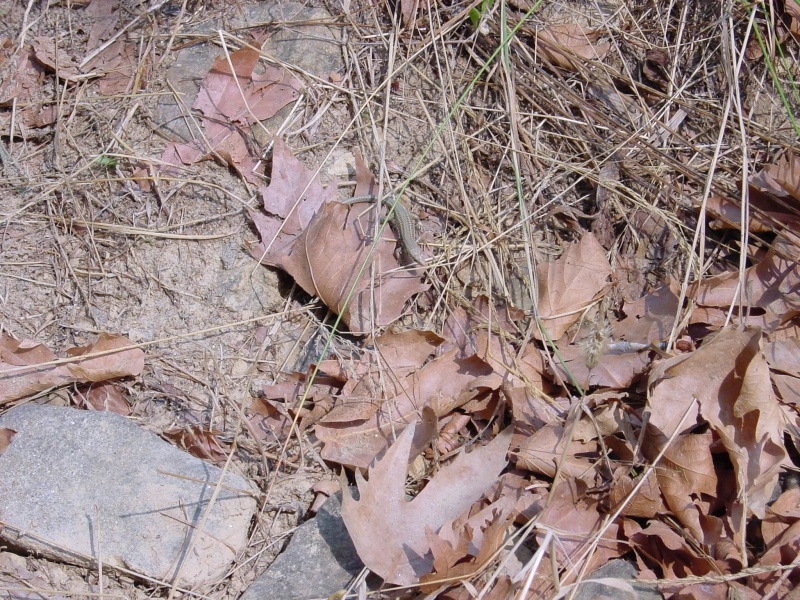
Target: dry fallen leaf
column 647, row 503
column 231, row 100
column 123, row 363
column 55, row 58
column 439, row 386
column 20, row 375
column 574, row 517
column 6, row 435
column 322, row 245
column 570, row 284
column 725, row 383
column 453, row 558
column 103, row 396
column 771, row 285
column 649, row 319
column 611, row 369
column 104, row 16
column 661, row 544
column 116, row 65
column 200, row 442
column 389, row 532
column 543, row 452
column 568, row 46
column 688, row 480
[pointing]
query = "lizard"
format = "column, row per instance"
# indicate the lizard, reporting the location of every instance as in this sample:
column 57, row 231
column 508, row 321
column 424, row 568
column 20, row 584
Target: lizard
column 401, row 220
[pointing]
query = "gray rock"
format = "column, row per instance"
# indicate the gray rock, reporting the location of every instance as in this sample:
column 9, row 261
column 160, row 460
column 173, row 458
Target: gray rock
column 319, row 560
column 617, row 569
column 297, row 38
column 79, row 486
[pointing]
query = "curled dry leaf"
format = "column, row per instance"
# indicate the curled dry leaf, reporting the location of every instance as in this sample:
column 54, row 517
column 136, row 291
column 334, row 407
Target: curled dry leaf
column 649, row 319
column 23, row 372
column 322, row 245
column 6, row 435
column 543, row 452
column 103, row 396
column 461, row 559
column 116, row 65
column 654, row 68
column 55, row 58
column 389, row 533
column 612, row 370
column 647, row 503
column 688, row 480
column 570, row 284
column 771, row 285
column 104, row 16
column 725, row 383
column 200, row 442
column 123, row 363
column 660, row 543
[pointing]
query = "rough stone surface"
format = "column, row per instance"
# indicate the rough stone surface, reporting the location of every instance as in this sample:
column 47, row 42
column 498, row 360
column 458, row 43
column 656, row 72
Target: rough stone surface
column 79, row 486
column 307, row 45
column 319, row 560
column 617, row 569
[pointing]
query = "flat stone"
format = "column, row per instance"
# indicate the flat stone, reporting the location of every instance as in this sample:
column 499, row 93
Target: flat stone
column 617, row 569
column 79, row 486
column 319, row 560
column 297, row 38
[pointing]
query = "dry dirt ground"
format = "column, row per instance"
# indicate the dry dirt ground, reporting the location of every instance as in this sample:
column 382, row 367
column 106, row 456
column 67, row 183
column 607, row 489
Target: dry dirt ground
column 86, row 249
column 169, row 269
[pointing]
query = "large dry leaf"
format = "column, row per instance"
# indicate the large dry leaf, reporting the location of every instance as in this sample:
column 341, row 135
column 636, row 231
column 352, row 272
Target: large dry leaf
column 725, row 383
column 780, row 515
column 772, row 285
column 16, row 382
column 780, row 180
column 200, row 442
column 658, row 543
column 569, row 45
column 574, row 517
column 647, row 503
column 102, row 396
column 232, row 97
column 116, row 65
column 774, row 200
column 104, row 16
column 322, row 245
column 543, row 452
column 570, row 284
column 688, row 481
column 649, row 319
column 22, row 75
column 123, row 363
column 387, row 372
column 784, row 355
column 244, row 95
column 440, row 385
column 55, row 57
column 612, row 370
column 389, row 532
column 473, row 545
